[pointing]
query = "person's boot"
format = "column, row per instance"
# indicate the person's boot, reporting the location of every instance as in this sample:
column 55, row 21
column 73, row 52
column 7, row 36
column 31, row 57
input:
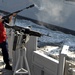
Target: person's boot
column 8, row 67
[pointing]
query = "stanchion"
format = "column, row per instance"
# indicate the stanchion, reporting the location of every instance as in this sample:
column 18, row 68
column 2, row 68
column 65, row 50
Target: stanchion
column 21, row 40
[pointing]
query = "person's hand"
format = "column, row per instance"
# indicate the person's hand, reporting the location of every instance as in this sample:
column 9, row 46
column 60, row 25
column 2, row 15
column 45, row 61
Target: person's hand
column 10, row 17
column 1, row 20
column 14, row 14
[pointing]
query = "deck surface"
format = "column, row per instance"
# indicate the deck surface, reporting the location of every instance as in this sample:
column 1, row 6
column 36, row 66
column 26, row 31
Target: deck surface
column 2, row 70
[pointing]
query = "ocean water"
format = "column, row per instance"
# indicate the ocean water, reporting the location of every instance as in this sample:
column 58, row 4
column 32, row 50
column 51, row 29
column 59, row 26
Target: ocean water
column 52, row 42
column 49, row 36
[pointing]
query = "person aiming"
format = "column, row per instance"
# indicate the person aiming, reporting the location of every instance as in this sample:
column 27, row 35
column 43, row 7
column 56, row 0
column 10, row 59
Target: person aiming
column 3, row 40
column 3, row 37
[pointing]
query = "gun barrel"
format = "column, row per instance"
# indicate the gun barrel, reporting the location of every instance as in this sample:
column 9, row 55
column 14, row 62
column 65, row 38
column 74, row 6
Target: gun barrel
column 18, row 11
column 30, row 6
column 32, row 33
column 26, row 31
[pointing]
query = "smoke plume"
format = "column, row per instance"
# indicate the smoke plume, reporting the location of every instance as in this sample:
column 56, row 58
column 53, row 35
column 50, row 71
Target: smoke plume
column 52, row 11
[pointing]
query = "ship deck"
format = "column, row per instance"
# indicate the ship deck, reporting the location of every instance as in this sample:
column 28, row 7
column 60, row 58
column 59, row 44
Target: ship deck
column 2, row 65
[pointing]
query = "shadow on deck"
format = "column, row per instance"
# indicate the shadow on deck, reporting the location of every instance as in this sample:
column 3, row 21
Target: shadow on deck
column 6, row 72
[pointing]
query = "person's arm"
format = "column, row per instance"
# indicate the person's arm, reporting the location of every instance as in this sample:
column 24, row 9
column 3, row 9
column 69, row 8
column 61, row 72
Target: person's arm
column 10, row 17
column 6, row 24
column 8, row 20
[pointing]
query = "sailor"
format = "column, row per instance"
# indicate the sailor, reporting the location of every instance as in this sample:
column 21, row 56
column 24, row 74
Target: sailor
column 3, row 41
